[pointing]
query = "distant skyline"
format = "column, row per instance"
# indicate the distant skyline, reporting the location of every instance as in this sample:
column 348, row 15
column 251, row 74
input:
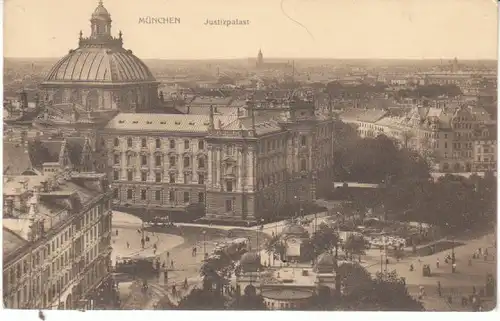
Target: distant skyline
column 325, row 29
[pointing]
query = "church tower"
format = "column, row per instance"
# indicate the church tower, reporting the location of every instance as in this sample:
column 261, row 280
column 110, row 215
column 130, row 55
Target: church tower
column 260, row 59
column 101, row 23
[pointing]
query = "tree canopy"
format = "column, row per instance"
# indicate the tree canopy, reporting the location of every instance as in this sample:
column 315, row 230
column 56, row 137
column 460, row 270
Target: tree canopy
column 376, row 160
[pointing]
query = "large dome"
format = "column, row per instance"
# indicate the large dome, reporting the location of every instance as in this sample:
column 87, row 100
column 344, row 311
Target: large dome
column 100, row 65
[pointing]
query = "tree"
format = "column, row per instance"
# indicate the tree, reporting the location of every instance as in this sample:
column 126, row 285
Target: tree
column 384, row 292
column 276, row 246
column 202, row 299
column 324, row 239
column 355, row 244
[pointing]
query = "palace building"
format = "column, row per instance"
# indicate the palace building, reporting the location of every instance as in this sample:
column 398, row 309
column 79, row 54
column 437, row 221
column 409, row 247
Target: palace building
column 241, row 167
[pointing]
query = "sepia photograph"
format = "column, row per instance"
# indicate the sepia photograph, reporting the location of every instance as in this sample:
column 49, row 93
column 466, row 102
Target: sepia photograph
column 304, row 155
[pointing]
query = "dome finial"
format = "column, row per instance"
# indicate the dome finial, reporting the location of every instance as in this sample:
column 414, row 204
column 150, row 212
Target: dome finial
column 100, row 2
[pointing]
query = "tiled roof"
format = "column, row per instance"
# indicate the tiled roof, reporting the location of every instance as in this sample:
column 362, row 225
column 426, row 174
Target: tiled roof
column 16, row 159
column 166, row 122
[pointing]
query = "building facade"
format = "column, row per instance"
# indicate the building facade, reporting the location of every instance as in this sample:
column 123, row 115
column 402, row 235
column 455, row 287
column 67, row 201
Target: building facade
column 56, row 249
column 239, row 167
column 444, row 137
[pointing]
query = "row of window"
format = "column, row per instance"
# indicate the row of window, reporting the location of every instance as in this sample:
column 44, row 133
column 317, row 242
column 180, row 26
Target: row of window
column 157, row 196
column 158, row 143
column 159, row 177
column 43, row 253
column 172, row 161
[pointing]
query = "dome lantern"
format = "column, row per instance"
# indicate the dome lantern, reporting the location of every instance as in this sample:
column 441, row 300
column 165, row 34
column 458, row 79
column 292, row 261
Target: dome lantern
column 100, row 23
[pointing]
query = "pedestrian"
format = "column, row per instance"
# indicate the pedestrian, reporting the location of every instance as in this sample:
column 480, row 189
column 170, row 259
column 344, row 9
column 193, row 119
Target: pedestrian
column 172, row 264
column 116, row 232
column 437, row 263
column 470, row 262
column 168, row 254
column 473, row 290
column 439, row 288
column 454, row 267
column 480, row 251
column 128, row 245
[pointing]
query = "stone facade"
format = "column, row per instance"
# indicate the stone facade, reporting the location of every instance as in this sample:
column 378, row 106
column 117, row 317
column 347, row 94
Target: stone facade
column 240, row 168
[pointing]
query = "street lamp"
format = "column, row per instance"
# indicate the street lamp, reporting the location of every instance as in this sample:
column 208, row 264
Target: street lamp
column 204, row 248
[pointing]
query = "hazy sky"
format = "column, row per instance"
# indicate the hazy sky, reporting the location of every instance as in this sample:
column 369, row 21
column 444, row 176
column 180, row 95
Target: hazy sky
column 417, row 29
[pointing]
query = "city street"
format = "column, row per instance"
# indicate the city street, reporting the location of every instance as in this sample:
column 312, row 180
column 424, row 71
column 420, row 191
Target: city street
column 455, row 284
column 174, row 245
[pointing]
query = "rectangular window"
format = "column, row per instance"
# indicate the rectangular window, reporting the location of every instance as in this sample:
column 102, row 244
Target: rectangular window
column 143, row 194
column 229, row 205
column 157, row 195
column 144, row 143
column 144, row 176
column 158, row 143
column 116, row 159
column 171, row 196
column 130, row 176
column 201, row 144
column 445, row 145
column 129, row 194
column 186, row 197
column 229, row 186
column 201, row 197
column 172, row 143
column 172, row 161
column 201, row 179
column 158, row 161
column 303, row 140
column 116, row 175
column 129, row 142
column 186, row 144
column 158, row 177
column 187, row 161
column 201, row 162
column 117, row 142
column 144, row 160
column 171, row 178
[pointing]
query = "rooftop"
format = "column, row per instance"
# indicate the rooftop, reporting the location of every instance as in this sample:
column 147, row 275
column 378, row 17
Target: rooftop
column 49, row 203
column 166, row 122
